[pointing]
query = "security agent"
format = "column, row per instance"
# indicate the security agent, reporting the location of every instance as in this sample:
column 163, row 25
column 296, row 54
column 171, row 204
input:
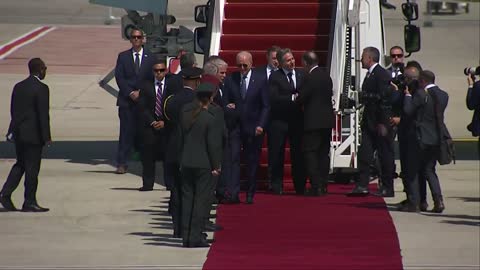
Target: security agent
column 473, row 103
column 201, row 127
column 376, row 130
column 172, row 107
column 30, row 131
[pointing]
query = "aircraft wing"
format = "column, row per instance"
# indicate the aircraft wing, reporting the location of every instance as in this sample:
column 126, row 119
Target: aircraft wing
column 152, row 6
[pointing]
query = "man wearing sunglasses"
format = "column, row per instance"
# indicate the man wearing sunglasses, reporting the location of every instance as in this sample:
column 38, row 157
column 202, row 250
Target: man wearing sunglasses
column 397, row 59
column 154, row 129
column 133, row 66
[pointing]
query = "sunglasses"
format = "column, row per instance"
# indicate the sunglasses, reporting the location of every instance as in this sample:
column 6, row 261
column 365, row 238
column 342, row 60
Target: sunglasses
column 159, row 69
column 396, row 55
column 136, row 37
column 242, row 65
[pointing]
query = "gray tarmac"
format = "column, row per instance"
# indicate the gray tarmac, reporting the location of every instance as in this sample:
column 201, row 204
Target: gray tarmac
column 98, row 220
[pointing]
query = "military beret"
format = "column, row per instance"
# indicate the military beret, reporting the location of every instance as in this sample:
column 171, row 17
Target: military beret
column 207, row 78
column 205, row 88
column 191, row 73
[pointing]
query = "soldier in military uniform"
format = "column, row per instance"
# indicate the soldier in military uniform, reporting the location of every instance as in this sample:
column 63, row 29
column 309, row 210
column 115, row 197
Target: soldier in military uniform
column 201, row 156
column 172, row 107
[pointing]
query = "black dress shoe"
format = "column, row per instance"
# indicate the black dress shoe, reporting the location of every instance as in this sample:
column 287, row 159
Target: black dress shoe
column 145, row 189
column 33, row 207
column 408, row 207
column 212, row 227
column 385, row 193
column 358, row 192
column 198, row 244
column 231, row 200
column 7, row 203
column 277, row 191
column 423, row 206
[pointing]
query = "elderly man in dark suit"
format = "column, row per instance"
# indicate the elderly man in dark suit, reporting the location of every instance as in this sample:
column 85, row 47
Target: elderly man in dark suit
column 133, row 66
column 247, row 108
column 316, row 98
column 377, row 133
column 286, row 122
column 30, row 130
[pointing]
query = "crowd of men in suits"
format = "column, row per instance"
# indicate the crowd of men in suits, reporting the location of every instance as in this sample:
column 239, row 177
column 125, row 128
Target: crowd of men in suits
column 200, row 123
column 404, row 101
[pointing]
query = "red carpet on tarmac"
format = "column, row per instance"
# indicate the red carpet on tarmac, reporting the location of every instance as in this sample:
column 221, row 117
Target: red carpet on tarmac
column 299, row 233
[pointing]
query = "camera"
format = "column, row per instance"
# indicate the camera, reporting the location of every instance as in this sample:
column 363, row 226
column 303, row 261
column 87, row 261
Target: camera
column 471, row 71
column 401, row 82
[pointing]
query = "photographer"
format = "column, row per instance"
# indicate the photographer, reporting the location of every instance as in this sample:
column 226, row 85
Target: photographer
column 406, row 131
column 427, row 105
column 473, row 103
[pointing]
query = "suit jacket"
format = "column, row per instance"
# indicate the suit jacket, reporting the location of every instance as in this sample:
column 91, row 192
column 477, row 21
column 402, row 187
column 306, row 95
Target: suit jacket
column 422, row 107
column 30, row 112
column 281, row 104
column 316, row 98
column 378, row 105
column 146, row 105
column 252, row 111
column 201, row 137
column 126, row 77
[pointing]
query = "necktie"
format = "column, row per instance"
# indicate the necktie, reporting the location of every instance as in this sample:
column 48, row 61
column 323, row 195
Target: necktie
column 290, row 80
column 137, row 63
column 159, row 100
column 243, row 86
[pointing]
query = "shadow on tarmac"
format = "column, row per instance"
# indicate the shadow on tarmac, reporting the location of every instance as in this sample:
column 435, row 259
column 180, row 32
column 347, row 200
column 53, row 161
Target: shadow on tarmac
column 164, row 223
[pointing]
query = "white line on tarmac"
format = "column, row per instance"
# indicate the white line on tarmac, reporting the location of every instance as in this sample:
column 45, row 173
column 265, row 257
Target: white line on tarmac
column 27, row 38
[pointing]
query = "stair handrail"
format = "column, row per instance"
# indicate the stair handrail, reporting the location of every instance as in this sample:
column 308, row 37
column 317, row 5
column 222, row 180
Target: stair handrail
column 338, row 60
column 217, row 21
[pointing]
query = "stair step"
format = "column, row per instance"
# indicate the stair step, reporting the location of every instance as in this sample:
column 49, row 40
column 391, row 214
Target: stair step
column 278, row 10
column 276, row 27
column 254, row 42
column 281, row 1
column 259, row 58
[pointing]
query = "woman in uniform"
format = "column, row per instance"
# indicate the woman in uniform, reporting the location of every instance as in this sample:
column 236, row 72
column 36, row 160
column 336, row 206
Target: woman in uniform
column 201, row 156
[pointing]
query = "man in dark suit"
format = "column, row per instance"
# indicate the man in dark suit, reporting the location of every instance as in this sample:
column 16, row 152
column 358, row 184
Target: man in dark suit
column 30, row 130
column 377, row 132
column 316, row 98
column 286, row 122
column 154, row 127
column 428, row 106
column 247, row 111
column 172, row 107
column 397, row 59
column 272, row 62
column 133, row 66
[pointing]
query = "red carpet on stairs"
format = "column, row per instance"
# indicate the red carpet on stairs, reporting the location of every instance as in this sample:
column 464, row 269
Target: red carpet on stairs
column 291, row 232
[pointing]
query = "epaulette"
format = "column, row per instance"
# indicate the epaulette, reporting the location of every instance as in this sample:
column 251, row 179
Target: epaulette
column 165, row 107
